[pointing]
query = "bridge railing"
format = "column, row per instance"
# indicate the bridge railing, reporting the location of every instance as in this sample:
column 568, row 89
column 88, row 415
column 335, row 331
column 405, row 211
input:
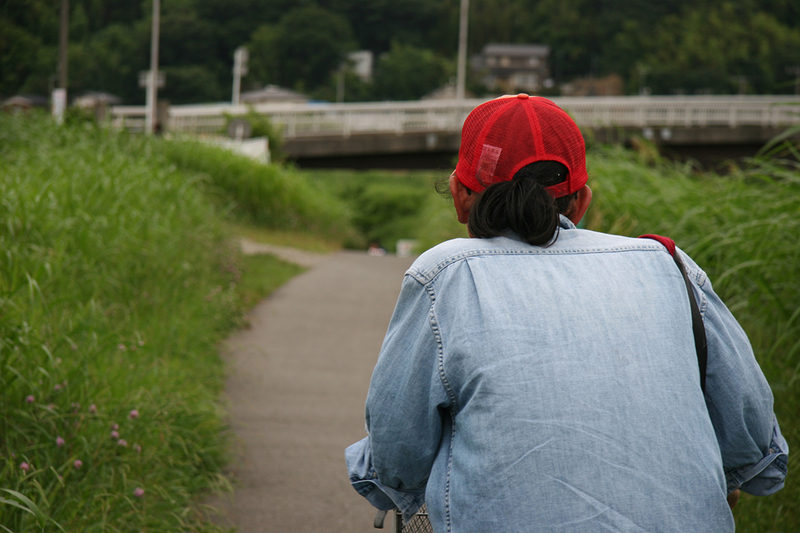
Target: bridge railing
column 320, row 120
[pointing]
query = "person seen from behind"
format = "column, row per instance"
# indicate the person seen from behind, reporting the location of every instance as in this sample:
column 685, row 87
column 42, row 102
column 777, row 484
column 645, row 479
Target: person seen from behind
column 540, row 377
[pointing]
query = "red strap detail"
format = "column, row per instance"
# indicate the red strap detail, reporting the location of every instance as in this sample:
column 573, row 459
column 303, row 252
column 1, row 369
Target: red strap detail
column 666, row 241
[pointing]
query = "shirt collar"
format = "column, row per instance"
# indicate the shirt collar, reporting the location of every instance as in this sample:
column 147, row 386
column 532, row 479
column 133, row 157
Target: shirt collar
column 565, row 223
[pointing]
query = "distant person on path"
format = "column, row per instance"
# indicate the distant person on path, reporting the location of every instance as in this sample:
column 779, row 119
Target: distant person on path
column 540, row 377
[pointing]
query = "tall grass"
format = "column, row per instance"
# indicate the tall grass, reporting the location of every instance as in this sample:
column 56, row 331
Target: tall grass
column 116, row 283
column 390, row 206
column 271, row 196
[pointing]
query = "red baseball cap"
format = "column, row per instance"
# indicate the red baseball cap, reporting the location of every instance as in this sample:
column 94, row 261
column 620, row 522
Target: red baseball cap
column 503, row 135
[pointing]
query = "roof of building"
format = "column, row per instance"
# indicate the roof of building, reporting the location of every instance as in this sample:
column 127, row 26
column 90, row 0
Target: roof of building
column 516, row 49
column 91, row 98
column 27, row 101
column 273, row 93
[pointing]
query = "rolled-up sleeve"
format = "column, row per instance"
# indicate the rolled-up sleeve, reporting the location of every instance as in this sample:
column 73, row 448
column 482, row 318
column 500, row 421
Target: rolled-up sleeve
column 404, row 408
column 739, row 400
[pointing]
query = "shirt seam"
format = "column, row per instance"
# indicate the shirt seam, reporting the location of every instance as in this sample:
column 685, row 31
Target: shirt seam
column 428, row 275
column 450, row 394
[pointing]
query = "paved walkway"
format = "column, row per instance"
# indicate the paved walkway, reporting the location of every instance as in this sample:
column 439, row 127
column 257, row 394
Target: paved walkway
column 298, row 378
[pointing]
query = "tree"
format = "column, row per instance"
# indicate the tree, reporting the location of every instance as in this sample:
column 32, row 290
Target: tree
column 713, row 50
column 302, row 50
column 110, row 61
column 408, row 73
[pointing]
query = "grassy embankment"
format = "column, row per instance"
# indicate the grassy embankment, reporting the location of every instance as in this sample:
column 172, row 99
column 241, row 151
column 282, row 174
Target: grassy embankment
column 118, row 278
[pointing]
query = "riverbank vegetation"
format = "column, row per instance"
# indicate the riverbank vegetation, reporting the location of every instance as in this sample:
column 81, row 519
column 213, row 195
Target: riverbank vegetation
column 120, row 274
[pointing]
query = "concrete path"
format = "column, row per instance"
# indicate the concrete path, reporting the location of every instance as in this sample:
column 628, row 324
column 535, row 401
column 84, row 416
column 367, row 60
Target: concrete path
column 298, row 378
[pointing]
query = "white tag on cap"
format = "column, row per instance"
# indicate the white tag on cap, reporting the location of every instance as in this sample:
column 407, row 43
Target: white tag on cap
column 487, row 163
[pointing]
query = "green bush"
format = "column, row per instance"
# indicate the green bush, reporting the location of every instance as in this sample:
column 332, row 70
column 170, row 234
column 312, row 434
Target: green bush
column 262, row 126
column 389, row 206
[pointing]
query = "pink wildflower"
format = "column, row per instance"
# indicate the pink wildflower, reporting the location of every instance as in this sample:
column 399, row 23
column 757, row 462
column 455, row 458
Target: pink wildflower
column 57, row 386
column 24, row 466
column 121, row 347
column 77, row 464
column 115, row 434
column 137, row 448
column 134, row 414
column 122, row 442
column 115, row 426
column 59, row 441
column 30, row 398
column 93, row 408
column 138, row 492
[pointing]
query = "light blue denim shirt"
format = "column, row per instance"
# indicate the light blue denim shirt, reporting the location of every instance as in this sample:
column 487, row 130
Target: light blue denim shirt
column 557, row 389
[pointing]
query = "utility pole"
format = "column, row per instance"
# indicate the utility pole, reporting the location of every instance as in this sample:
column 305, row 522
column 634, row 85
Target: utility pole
column 151, row 117
column 60, row 93
column 240, row 57
column 795, row 71
column 461, row 73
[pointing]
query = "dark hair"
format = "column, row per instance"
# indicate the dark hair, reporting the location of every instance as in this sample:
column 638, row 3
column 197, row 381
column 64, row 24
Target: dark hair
column 522, row 205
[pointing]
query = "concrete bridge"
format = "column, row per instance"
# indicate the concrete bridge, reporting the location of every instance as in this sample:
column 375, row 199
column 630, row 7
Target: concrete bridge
column 360, row 129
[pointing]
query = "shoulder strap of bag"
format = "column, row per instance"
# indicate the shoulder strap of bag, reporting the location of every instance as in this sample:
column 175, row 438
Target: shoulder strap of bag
column 697, row 320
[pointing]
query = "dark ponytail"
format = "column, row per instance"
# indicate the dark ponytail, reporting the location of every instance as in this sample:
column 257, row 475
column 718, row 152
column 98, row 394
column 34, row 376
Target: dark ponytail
column 522, row 205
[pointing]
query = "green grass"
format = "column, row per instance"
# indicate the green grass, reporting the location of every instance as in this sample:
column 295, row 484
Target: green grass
column 387, row 206
column 262, row 274
column 269, row 196
column 118, row 278
column 301, row 240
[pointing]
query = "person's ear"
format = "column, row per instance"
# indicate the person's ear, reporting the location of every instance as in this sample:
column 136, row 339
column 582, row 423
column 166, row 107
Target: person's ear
column 463, row 198
column 581, row 204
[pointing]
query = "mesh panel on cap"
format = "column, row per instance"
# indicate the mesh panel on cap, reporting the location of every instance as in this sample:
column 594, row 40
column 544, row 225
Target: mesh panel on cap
column 503, row 135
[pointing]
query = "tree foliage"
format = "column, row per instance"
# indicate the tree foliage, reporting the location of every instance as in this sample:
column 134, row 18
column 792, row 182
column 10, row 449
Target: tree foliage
column 671, row 46
column 303, row 49
column 408, row 73
column 709, row 50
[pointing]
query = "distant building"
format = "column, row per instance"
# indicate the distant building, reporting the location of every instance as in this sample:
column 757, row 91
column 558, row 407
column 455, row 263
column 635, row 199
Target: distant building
column 272, row 94
column 361, row 61
column 510, row 68
column 97, row 102
column 25, row 102
column 93, row 99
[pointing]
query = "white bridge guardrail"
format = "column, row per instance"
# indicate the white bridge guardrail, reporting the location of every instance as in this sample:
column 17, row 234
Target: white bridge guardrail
column 320, row 120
